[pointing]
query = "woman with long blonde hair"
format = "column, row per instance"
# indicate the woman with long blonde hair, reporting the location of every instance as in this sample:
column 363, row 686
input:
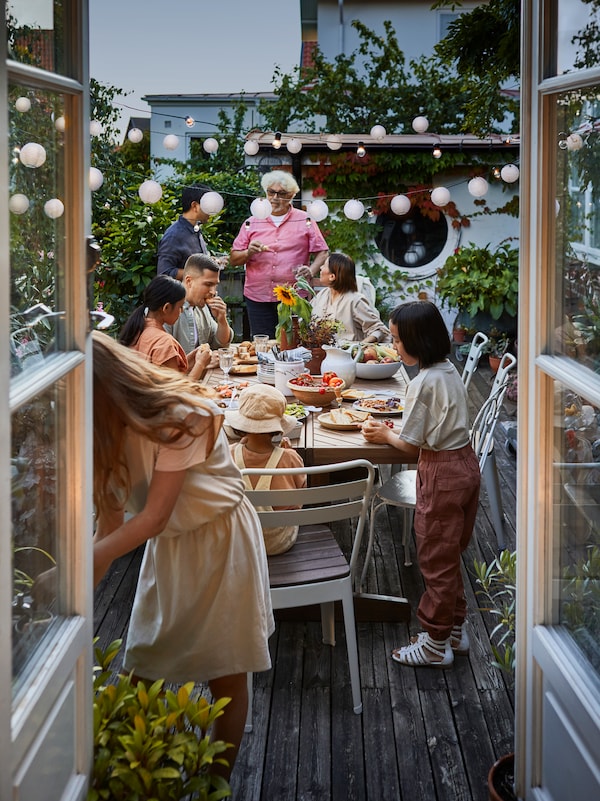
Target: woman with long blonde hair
column 202, row 608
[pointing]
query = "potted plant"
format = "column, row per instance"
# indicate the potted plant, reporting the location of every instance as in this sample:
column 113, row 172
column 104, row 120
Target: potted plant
column 315, row 333
column 292, row 310
column 498, row 585
column 150, row 742
column 496, row 346
column 482, row 284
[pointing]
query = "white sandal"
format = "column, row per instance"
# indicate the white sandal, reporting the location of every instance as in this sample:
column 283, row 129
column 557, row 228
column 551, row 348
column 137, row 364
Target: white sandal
column 421, row 650
column 459, row 640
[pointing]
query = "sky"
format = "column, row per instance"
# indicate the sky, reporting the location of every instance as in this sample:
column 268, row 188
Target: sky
column 184, row 47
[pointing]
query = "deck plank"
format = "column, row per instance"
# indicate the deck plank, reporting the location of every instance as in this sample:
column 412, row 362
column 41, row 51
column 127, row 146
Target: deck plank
column 423, row 735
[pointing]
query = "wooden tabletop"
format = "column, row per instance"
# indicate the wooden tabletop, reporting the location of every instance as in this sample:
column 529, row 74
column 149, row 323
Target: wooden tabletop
column 320, row 445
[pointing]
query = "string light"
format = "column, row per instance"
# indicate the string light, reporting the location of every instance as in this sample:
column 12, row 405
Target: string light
column 171, row 142
column 32, row 155
column 400, row 205
column 210, row 145
column 135, row 135
column 150, row 192
column 22, row 104
column 478, row 186
column 276, row 143
column 354, row 209
column 378, row 132
column 18, row 203
column 436, row 152
column 440, row 196
column 251, row 147
column 509, row 173
column 294, row 145
column 420, row 124
column 333, row 142
column 96, row 179
column 190, row 121
column 361, row 150
column 54, row 208
column 317, row 209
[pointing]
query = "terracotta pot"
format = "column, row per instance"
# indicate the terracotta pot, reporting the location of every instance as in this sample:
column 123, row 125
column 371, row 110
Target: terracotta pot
column 313, row 366
column 459, row 334
column 494, row 363
column 501, row 779
column 286, row 343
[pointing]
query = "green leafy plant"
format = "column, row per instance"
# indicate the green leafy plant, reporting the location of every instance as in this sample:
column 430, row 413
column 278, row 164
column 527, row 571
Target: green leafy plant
column 292, row 306
column 581, row 597
column 151, row 743
column 318, row 331
column 498, row 583
column 478, row 279
column 497, row 344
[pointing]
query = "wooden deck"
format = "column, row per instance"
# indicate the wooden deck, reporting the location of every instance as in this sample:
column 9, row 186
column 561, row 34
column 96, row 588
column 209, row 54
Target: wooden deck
column 423, row 735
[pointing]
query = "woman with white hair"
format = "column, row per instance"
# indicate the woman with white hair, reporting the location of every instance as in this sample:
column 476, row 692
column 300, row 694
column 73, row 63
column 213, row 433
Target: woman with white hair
column 276, row 250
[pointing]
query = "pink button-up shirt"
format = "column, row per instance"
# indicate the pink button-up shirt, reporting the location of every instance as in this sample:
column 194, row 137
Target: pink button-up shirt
column 290, row 243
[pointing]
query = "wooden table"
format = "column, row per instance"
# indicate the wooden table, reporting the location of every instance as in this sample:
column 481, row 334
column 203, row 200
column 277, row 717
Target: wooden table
column 319, row 445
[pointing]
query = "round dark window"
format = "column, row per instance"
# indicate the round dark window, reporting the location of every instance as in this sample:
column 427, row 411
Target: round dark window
column 411, row 241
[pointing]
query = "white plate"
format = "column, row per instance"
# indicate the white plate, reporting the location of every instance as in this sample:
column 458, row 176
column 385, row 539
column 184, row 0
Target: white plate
column 326, row 421
column 385, row 405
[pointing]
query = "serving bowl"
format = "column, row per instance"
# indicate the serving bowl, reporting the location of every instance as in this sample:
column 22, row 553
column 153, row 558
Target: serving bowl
column 318, row 395
column 376, row 370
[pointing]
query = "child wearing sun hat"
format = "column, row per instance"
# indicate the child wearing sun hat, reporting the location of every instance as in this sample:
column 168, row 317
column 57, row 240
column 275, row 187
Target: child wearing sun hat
column 260, row 416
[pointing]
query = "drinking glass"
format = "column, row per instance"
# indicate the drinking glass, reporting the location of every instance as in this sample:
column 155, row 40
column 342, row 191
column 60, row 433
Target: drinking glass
column 261, row 343
column 225, row 361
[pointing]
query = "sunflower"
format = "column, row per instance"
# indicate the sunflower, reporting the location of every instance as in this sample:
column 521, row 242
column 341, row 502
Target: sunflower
column 286, row 295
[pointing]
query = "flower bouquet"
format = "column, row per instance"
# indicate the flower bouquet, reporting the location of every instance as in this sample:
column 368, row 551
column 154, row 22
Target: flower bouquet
column 292, row 307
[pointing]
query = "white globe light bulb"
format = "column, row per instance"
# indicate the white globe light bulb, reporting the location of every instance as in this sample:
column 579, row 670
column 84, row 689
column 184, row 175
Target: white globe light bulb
column 574, row 141
column 509, row 173
column 18, row 204
column 96, row 128
column 150, row 192
column 317, row 210
column 54, row 208
column 211, row 203
column 400, row 204
column 135, row 135
column 171, row 142
column 22, row 104
column 440, row 196
column 334, row 142
column 260, row 208
column 60, row 124
column 420, row 124
column 378, row 132
column 478, row 186
column 210, row 145
column 32, row 155
column 354, row 209
column 294, row 145
column 96, row 179
column 251, row 147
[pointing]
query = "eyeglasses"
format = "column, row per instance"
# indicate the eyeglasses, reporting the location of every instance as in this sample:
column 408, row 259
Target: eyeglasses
column 281, row 193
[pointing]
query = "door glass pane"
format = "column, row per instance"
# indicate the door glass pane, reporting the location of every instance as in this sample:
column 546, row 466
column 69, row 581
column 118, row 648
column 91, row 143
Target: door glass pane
column 577, row 495
column 35, row 30
column 37, row 203
column 577, row 205
column 36, row 468
column 577, row 36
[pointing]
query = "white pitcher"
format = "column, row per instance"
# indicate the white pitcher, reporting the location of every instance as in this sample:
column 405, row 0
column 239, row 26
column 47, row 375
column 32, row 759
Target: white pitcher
column 341, row 362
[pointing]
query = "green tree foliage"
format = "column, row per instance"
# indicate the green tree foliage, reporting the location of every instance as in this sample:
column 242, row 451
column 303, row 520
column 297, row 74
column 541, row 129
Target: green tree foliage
column 482, row 45
column 370, row 86
column 588, row 54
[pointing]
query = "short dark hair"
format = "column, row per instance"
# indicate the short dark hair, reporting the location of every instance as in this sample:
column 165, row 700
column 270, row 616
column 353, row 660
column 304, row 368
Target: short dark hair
column 198, row 262
column 191, row 194
column 422, row 331
column 344, row 269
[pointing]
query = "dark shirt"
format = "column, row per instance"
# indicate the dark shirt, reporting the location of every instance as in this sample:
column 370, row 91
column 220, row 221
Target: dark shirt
column 179, row 241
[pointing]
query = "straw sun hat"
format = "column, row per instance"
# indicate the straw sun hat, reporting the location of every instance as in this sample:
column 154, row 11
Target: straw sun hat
column 261, row 410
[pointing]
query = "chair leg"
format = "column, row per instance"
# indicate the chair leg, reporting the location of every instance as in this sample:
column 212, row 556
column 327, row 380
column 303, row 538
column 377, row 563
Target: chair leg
column 369, row 553
column 407, row 523
column 328, row 623
column 352, row 647
column 492, row 485
column 248, row 726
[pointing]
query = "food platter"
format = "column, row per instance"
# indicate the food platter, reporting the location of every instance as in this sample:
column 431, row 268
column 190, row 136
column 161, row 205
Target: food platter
column 354, row 420
column 382, row 404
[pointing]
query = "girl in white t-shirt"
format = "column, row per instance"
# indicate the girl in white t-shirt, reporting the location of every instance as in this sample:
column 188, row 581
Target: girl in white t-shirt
column 435, row 427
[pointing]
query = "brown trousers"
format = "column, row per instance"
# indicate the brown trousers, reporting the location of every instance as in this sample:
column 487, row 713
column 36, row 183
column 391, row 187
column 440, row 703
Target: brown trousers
column 447, row 497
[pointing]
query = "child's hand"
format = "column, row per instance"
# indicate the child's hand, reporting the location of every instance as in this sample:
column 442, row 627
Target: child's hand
column 377, row 431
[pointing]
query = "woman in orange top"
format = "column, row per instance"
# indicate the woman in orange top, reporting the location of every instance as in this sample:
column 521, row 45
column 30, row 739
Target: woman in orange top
column 162, row 303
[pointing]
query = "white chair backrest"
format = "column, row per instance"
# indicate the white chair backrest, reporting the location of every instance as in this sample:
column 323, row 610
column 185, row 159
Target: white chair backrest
column 482, row 431
column 350, row 498
column 479, row 340
column 507, row 363
column 366, row 287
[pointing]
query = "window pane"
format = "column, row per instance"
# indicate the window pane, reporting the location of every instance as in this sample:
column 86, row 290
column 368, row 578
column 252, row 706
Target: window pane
column 36, row 33
column 37, row 202
column 577, row 312
column 36, row 465
column 577, row 532
column 577, row 36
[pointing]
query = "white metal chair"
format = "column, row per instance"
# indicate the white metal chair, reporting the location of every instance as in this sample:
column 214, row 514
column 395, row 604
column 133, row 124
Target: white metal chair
column 479, row 341
column 401, row 489
column 314, row 570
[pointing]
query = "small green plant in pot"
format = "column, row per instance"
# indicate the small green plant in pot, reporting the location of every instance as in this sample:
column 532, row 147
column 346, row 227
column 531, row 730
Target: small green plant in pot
column 151, row 743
